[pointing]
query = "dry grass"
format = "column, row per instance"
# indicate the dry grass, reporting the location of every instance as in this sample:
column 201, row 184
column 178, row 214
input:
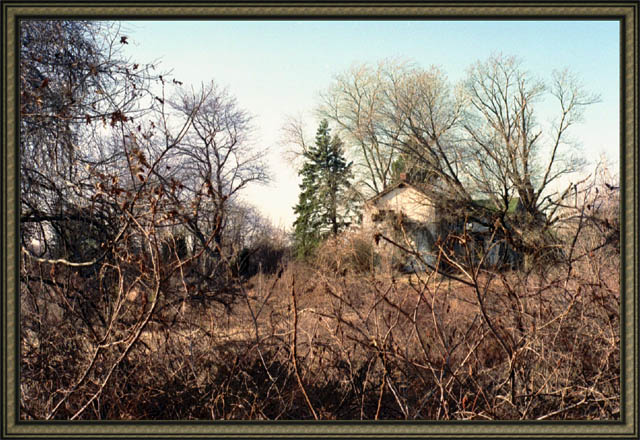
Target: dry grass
column 316, row 342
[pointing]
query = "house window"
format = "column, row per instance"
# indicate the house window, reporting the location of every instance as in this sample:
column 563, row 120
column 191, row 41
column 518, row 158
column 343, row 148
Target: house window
column 380, row 215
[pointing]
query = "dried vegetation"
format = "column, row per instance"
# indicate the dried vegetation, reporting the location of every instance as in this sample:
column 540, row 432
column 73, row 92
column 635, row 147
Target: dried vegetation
column 338, row 338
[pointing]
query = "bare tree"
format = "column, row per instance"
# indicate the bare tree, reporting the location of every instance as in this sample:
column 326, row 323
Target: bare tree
column 398, row 115
column 74, row 83
column 479, row 144
column 102, row 211
column 216, row 159
column 358, row 102
column 428, row 112
column 513, row 154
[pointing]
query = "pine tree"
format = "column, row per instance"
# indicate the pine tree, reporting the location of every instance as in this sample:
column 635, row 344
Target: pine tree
column 306, row 225
column 323, row 206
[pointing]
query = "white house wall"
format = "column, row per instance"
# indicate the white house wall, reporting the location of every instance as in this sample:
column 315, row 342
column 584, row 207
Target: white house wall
column 413, row 204
column 420, row 218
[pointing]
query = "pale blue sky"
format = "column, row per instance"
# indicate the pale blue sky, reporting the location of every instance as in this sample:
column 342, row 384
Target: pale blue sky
column 277, row 68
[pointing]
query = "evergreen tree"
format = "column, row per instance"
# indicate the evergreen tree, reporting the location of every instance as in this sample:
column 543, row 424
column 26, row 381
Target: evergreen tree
column 323, row 206
column 306, row 225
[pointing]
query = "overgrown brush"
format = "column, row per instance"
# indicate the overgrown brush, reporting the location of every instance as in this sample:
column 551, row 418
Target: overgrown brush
column 339, row 338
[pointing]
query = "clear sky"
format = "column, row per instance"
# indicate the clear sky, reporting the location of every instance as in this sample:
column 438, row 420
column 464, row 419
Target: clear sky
column 276, row 69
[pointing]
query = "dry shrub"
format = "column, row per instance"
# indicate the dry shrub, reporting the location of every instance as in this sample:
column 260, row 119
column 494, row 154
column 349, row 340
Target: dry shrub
column 265, row 255
column 333, row 339
column 351, row 251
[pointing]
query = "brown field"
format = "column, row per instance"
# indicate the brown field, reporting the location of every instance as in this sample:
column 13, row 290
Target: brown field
column 314, row 342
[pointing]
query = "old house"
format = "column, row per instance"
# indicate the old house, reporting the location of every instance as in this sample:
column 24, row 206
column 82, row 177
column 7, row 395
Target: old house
column 409, row 214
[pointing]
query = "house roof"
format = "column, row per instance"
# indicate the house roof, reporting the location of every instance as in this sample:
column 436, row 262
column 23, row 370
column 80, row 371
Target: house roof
column 429, row 191
column 400, row 184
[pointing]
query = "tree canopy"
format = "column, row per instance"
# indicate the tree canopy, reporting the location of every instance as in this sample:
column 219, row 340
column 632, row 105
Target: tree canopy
column 480, row 139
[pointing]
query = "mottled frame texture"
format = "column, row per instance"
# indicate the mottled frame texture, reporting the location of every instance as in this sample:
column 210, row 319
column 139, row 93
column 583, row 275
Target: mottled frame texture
column 625, row 12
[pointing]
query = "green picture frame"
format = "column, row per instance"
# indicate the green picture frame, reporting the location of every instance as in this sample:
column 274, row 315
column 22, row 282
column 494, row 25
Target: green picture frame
column 626, row 12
